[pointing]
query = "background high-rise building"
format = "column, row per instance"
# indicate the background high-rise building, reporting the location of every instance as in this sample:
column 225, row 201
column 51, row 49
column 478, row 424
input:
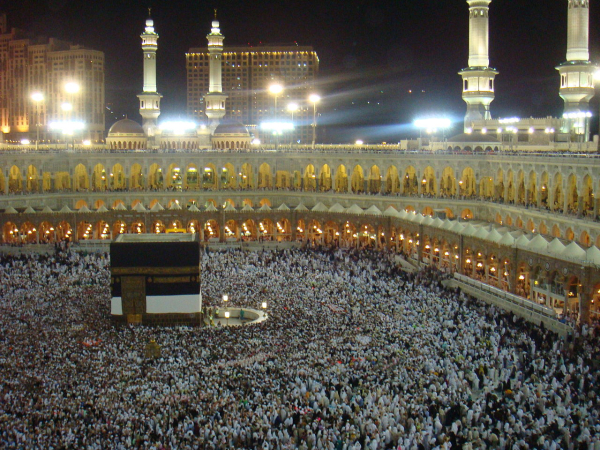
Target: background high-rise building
column 247, row 73
column 31, row 65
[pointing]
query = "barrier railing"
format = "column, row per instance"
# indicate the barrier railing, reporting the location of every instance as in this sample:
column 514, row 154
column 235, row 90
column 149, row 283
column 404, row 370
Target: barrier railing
column 521, row 306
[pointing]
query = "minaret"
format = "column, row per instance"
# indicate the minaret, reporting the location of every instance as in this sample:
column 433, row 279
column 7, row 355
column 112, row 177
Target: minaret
column 215, row 99
column 149, row 98
column 577, row 73
column 478, row 78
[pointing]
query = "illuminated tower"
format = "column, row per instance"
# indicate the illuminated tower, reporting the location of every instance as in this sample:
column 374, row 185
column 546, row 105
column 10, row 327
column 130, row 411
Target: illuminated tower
column 577, row 73
column 215, row 99
column 478, row 78
column 149, row 98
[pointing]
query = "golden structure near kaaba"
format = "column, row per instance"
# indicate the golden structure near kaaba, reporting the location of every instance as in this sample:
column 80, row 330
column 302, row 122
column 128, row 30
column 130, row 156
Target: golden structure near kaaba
column 155, row 279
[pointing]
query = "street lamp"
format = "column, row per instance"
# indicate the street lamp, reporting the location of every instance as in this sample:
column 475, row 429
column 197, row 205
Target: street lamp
column 71, row 88
column 292, row 108
column 276, row 89
column 314, row 99
column 37, row 97
column 227, row 317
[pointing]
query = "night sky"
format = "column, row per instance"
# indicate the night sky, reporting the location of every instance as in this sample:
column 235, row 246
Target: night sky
column 371, row 53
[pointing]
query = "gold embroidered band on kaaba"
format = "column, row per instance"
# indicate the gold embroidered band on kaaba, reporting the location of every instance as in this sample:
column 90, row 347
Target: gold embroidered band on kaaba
column 189, row 270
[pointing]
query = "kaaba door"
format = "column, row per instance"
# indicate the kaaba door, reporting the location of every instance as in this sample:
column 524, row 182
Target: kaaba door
column 133, row 295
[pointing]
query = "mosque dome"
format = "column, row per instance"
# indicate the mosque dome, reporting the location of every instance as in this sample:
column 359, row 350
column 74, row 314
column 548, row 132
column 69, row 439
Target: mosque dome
column 126, row 126
column 232, row 128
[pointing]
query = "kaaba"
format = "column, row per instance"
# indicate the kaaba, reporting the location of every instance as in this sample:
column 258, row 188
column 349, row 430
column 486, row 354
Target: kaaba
column 155, row 279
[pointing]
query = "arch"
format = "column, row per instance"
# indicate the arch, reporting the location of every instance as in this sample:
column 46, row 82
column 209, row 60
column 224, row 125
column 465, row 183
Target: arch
column 265, row 201
column 584, row 239
column 62, row 181
column 467, row 183
column 102, row 230
column 341, row 179
column 486, row 188
column 80, row 204
column 15, row 180
column 136, row 179
column 499, row 186
column 248, row 230
column 520, row 186
column 357, row 180
column 46, row 233
column 63, row 231
column 310, row 178
column 117, row 177
column 374, row 180
column 427, row 211
column 283, row 179
column 508, row 220
column 466, row 214
column 530, row 226
column 410, row 184
column 543, row 229
column 138, row 227
column 209, row 177
column 33, row 182
column 569, row 234
column 428, row 182
column 556, row 231
column 28, row 233
column 228, row 178
column 587, row 196
column 80, row 178
column 99, row 178
column 231, row 230
column 265, row 176
column 10, row 233
column 284, row 230
column 117, row 203
column 174, row 179
column 325, row 181
column 247, row 202
column 510, row 184
column 265, row 229
column 85, row 230
column 119, row 227
column 392, row 180
column 558, row 203
column 155, row 177
column 246, row 177
column 193, row 226
column 136, row 202
column 448, row 183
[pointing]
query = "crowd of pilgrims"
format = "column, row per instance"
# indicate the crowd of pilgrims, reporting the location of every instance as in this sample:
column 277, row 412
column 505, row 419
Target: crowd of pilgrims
column 355, row 354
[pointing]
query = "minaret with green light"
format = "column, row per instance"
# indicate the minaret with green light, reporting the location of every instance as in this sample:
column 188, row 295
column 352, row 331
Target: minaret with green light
column 478, row 78
column 149, row 98
column 215, row 99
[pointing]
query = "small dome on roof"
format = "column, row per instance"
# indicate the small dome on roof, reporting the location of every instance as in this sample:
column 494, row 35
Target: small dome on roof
column 126, row 126
column 232, row 128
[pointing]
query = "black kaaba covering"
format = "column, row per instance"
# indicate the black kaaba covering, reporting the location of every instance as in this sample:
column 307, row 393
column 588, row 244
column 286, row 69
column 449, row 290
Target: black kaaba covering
column 165, row 266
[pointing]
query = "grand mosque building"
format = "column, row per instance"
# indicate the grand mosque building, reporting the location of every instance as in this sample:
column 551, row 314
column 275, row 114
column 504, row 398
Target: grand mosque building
column 524, row 223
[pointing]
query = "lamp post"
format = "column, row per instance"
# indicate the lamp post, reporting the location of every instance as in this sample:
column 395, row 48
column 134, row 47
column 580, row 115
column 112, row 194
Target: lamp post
column 292, row 108
column 276, row 89
column 71, row 88
column 227, row 317
column 37, row 97
column 314, row 99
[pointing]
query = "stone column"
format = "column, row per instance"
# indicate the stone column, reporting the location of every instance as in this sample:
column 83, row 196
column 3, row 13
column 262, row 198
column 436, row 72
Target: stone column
column 584, row 308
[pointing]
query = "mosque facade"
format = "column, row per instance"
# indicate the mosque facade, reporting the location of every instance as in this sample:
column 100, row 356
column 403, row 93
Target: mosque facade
column 126, row 134
column 525, row 223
